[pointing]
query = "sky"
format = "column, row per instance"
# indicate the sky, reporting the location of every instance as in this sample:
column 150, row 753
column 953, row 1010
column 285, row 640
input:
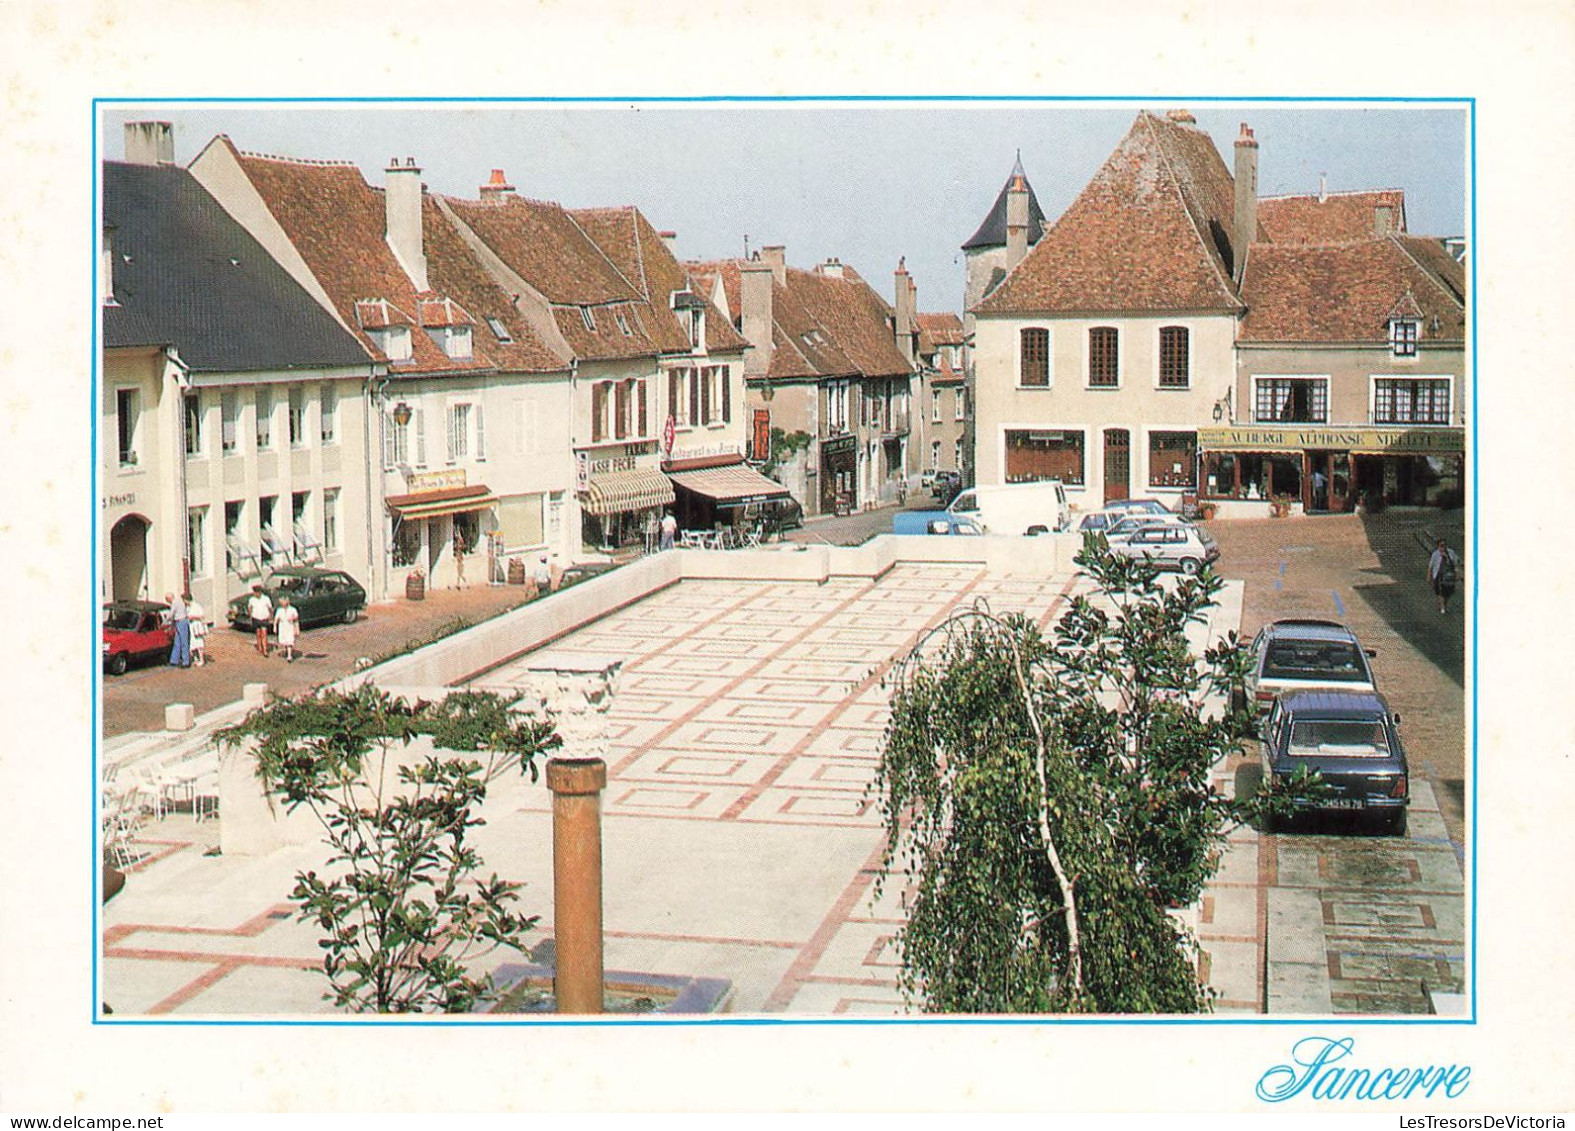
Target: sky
column 866, row 182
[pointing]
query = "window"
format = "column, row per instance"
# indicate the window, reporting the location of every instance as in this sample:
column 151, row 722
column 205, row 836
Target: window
column 1103, row 358
column 1411, row 400
column 396, row 439
column 675, row 396
column 197, row 541
column 621, row 398
column 1037, row 455
column 1172, row 459
column 271, row 546
column 192, row 405
column 961, row 399
column 1034, row 358
column 297, row 416
column 328, row 414
column 599, row 421
column 454, row 340
column 935, row 453
column 330, row 519
column 128, row 413
column 1403, row 335
column 300, row 518
column 458, row 432
column 623, row 323
column 1175, row 357
column 234, row 532
column 229, row 422
column 499, row 331
column 643, row 417
column 394, row 341
column 935, row 406
column 957, row 460
column 1290, row 400
column 264, row 419
column 588, row 317
column 407, row 543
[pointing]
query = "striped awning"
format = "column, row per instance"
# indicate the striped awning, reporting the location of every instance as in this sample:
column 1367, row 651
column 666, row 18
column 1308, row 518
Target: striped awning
column 448, row 500
column 619, row 491
column 735, row 485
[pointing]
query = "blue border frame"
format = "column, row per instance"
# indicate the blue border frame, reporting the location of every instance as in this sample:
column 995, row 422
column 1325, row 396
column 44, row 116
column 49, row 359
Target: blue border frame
column 1469, row 104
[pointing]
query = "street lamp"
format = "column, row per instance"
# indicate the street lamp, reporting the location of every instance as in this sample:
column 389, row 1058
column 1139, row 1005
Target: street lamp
column 402, row 414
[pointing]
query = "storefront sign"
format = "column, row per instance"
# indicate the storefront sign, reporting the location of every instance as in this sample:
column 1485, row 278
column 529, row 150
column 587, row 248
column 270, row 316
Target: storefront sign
column 625, row 457
column 126, row 500
column 837, row 444
column 435, row 480
column 1267, row 438
column 707, row 451
column 582, row 471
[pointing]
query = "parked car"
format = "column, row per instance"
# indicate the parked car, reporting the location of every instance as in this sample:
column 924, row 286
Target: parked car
column 1172, row 546
column 135, row 630
column 1352, row 740
column 931, row 522
column 319, row 595
column 1015, row 508
column 775, row 515
column 1123, row 528
column 1291, row 655
column 945, row 485
column 927, row 479
column 1136, row 506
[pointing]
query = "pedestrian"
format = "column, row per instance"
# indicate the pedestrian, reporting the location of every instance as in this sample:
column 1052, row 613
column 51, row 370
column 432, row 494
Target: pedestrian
column 542, row 577
column 1318, row 500
column 180, row 651
column 459, row 559
column 669, row 530
column 197, row 616
column 1443, row 568
column 286, row 623
column 259, row 610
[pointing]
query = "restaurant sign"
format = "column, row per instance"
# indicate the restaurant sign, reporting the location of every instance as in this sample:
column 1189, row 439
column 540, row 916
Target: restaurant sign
column 435, row 480
column 1361, row 439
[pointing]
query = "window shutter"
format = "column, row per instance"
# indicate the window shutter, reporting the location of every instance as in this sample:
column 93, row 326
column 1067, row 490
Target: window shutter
column 644, row 429
column 420, row 422
column 388, row 440
column 694, row 397
column 727, row 395
column 481, row 433
column 705, row 395
column 453, row 439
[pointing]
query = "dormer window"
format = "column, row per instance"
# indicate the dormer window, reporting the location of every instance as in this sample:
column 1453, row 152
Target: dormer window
column 623, row 323
column 588, row 316
column 393, row 341
column 454, row 340
column 499, row 330
column 1403, row 334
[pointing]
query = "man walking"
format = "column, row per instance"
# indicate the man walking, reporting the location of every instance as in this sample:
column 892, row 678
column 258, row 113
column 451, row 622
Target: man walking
column 669, row 530
column 1443, row 567
column 259, row 610
column 180, row 652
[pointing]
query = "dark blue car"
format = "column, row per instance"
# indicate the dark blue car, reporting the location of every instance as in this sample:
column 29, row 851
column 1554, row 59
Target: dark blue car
column 1351, row 739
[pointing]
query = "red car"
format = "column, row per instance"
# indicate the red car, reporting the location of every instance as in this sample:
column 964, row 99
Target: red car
column 135, row 630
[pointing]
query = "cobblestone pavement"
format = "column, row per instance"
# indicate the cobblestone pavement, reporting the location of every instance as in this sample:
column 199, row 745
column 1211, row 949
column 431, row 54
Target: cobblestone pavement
column 1350, row 922
column 136, row 701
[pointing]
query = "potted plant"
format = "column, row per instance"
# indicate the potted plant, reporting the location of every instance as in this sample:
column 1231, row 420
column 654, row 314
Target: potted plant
column 1207, row 511
column 415, row 585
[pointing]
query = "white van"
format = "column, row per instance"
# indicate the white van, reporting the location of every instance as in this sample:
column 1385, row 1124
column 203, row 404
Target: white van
column 1015, row 508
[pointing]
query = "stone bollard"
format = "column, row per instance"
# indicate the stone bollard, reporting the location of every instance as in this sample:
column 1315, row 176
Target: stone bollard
column 576, row 785
column 180, row 716
column 254, row 694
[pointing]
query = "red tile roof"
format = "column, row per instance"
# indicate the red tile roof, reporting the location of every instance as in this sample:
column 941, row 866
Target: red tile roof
column 1344, row 292
column 823, row 326
column 336, row 221
column 1335, row 217
column 1151, row 231
column 943, row 329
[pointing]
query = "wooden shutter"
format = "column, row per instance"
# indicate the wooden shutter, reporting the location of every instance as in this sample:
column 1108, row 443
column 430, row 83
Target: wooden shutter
column 727, row 395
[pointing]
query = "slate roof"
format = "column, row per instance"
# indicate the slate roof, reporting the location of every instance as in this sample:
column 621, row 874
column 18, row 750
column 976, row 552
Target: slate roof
column 187, row 275
column 1151, row 231
column 1335, row 217
column 637, row 249
column 1347, row 292
column 337, row 221
column 992, row 232
column 822, row 326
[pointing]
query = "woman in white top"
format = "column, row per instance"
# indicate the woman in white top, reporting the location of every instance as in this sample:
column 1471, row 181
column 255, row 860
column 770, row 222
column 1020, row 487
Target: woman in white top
column 286, row 623
column 199, row 632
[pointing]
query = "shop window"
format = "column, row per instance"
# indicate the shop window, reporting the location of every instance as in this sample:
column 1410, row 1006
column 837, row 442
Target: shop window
column 191, row 404
column 1034, row 358
column 1408, row 400
column 1403, row 333
column 1232, row 475
column 1175, row 357
column 1172, row 459
column 1290, row 400
column 1034, row 456
column 1103, row 358
column 407, row 543
column 328, row 414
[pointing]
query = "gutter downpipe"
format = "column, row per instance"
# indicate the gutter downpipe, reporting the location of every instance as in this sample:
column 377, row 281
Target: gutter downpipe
column 182, row 376
column 376, row 386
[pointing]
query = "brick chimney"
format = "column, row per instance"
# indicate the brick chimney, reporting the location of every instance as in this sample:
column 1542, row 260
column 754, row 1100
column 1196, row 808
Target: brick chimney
column 496, row 188
column 402, row 213
column 1246, row 218
column 755, row 299
column 832, row 267
column 1016, row 221
column 906, row 325
column 150, row 143
column 775, row 257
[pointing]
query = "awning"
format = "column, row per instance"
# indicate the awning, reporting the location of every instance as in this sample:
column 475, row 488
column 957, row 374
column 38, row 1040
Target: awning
column 619, row 491
column 448, row 500
column 733, row 486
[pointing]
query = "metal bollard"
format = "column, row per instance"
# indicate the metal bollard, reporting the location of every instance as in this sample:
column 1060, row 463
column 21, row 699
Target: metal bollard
column 576, row 785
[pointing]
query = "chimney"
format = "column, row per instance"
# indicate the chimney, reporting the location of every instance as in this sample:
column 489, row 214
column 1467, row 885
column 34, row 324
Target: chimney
column 904, row 306
column 150, row 143
column 755, row 283
column 402, row 211
column 1246, row 218
column 1323, row 187
column 1016, row 221
column 670, row 241
column 832, row 267
column 496, row 188
column 775, row 257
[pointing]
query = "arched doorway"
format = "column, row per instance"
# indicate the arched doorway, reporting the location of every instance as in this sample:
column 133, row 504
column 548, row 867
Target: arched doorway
column 128, row 558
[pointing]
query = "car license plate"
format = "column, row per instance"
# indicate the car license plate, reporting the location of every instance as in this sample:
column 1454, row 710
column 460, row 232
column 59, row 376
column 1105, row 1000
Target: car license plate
column 1343, row 803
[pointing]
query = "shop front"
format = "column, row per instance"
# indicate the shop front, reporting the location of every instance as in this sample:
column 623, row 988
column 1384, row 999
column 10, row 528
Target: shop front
column 839, row 466
column 439, row 515
column 718, row 491
column 619, row 498
column 1332, row 469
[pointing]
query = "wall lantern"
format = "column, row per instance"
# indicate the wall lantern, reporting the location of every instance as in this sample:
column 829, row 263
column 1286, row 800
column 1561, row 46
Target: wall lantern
column 402, row 414
column 1223, row 407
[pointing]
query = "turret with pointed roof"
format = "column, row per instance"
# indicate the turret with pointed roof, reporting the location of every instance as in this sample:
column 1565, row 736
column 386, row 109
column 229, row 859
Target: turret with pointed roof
column 986, row 250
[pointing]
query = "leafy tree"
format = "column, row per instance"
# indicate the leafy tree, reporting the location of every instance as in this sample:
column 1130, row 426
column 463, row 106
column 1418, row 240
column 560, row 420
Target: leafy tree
column 404, row 910
column 1047, row 799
